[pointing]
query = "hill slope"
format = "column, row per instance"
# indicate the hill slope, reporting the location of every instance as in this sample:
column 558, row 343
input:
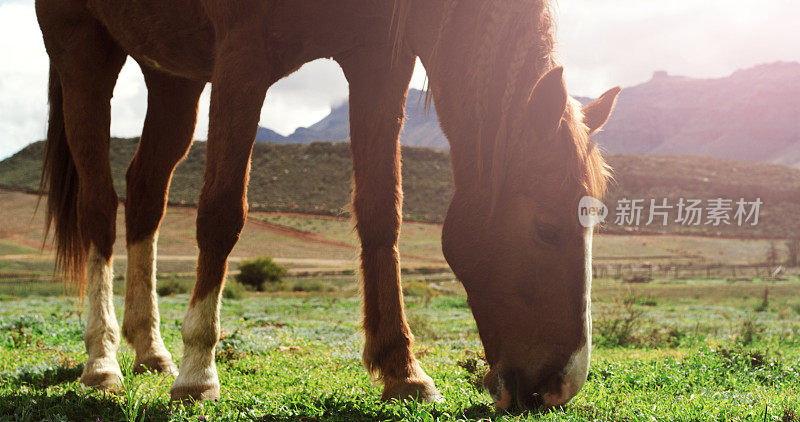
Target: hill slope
column 315, row 179
column 752, row 115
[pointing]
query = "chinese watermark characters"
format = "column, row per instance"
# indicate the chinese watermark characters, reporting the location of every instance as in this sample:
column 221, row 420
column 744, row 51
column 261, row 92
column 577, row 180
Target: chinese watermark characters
column 685, row 211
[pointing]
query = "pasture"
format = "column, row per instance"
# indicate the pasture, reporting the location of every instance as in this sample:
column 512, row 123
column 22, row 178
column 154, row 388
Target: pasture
column 689, row 353
column 689, row 349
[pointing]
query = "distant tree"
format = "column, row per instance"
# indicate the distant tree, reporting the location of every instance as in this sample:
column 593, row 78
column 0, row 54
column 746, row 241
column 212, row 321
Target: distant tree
column 772, row 255
column 260, row 271
column 793, row 252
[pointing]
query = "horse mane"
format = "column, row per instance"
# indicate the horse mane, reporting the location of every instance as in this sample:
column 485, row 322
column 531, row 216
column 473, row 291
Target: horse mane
column 526, row 29
column 587, row 166
column 400, row 12
column 533, row 48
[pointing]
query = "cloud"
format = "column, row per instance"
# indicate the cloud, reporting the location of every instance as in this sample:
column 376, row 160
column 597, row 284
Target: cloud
column 601, row 43
column 23, row 77
column 613, row 42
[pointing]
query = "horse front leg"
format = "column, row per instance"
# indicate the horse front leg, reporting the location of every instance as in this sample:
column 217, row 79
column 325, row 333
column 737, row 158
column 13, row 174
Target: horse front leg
column 166, row 137
column 378, row 89
column 240, row 81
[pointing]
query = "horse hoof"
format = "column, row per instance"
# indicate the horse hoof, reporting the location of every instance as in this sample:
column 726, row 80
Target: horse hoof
column 197, row 393
column 102, row 380
column 160, row 364
column 420, row 388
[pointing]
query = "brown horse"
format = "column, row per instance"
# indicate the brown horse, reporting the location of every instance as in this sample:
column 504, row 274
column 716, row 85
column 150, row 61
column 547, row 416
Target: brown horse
column 520, row 149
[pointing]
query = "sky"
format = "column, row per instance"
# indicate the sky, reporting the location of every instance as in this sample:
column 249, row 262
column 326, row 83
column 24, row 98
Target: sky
column 601, row 43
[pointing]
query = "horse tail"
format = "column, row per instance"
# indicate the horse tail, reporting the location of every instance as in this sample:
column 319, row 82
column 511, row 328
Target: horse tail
column 60, row 181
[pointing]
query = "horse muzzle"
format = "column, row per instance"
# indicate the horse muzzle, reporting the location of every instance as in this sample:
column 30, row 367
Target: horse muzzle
column 513, row 390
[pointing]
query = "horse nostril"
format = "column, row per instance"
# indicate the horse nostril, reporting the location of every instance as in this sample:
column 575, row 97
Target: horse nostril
column 533, row 394
column 554, row 399
column 519, row 392
column 530, row 401
column 512, row 389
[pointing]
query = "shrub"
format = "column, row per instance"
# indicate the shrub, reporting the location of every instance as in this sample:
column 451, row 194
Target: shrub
column 631, row 299
column 170, row 287
column 310, row 286
column 750, row 332
column 230, row 347
column 793, row 252
column 415, row 288
column 260, row 271
column 421, row 326
column 233, row 290
column 663, row 337
column 620, row 324
column 764, row 305
column 474, row 363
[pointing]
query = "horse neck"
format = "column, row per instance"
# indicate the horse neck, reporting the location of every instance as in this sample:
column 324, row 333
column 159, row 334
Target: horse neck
column 471, row 84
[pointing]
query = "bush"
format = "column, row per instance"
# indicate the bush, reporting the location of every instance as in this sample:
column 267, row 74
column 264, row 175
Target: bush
column 230, row 347
column 474, row 363
column 750, row 331
column 233, row 290
column 310, row 286
column 421, row 326
column 619, row 326
column 170, row 287
column 416, row 288
column 764, row 305
column 260, row 271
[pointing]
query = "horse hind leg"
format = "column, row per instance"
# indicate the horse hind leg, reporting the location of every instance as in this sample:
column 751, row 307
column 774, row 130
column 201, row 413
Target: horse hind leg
column 377, row 101
column 166, row 137
column 86, row 64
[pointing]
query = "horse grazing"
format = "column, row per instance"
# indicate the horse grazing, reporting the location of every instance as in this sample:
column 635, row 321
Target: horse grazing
column 520, row 150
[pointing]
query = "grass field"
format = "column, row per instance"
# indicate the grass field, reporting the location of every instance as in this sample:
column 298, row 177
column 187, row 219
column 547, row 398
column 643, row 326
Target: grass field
column 682, row 350
column 694, row 352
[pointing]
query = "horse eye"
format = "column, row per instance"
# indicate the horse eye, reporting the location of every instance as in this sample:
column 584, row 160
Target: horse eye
column 548, row 233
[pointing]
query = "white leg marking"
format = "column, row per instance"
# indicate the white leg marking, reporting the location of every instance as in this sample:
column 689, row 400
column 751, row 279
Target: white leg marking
column 102, row 331
column 198, row 375
column 141, row 324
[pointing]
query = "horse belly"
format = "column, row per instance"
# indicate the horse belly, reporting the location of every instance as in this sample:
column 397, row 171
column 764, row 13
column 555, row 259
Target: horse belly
column 174, row 36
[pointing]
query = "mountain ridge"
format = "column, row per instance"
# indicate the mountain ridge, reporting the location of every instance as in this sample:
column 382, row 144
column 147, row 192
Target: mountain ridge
column 751, row 115
column 421, row 128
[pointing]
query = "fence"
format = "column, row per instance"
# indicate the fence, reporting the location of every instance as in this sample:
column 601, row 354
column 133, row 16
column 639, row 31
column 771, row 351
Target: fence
column 643, row 272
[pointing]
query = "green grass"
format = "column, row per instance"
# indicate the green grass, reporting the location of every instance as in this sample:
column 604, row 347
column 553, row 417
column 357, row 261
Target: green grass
column 296, row 356
column 315, row 179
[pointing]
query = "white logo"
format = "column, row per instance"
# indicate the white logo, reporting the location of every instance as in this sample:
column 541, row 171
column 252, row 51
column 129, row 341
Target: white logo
column 591, row 211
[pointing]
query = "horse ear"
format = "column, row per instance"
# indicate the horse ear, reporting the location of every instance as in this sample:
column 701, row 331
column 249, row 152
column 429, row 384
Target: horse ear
column 596, row 114
column 549, row 102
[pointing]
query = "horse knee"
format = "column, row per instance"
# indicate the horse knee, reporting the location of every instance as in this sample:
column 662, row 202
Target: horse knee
column 97, row 215
column 220, row 219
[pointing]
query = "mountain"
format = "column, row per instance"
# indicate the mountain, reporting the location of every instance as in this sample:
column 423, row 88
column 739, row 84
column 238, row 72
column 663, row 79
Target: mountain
column 751, row 115
column 420, row 128
column 269, row 135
